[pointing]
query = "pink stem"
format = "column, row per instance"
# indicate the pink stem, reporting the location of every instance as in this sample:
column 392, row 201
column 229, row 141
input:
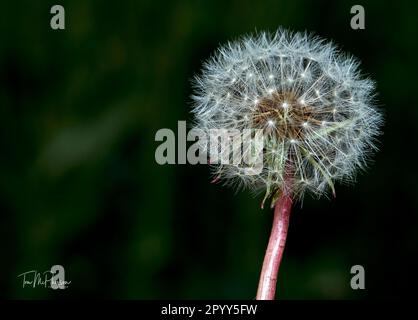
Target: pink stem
column 268, row 278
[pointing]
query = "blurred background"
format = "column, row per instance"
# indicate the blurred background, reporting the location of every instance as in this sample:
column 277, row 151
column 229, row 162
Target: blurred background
column 79, row 185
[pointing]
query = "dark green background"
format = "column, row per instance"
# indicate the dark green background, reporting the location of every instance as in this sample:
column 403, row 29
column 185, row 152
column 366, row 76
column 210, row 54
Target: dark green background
column 79, row 185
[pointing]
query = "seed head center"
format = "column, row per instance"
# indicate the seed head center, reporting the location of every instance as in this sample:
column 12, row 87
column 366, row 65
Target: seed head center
column 284, row 115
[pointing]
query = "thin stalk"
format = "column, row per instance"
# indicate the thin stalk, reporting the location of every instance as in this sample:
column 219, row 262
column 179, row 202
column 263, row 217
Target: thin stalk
column 268, row 278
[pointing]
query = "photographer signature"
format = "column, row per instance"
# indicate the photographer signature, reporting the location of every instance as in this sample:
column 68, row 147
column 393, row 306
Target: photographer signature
column 53, row 278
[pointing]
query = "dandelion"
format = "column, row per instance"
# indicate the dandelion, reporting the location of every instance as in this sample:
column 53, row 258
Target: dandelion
column 316, row 113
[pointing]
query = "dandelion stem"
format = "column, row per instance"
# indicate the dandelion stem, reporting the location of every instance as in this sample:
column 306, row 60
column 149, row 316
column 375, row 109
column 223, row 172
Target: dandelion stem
column 268, row 278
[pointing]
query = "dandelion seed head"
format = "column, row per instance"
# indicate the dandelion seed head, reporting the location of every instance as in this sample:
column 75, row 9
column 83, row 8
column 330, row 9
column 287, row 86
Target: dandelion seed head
column 319, row 122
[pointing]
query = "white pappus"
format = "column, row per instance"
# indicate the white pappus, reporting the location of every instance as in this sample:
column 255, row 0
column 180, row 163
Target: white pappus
column 316, row 111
